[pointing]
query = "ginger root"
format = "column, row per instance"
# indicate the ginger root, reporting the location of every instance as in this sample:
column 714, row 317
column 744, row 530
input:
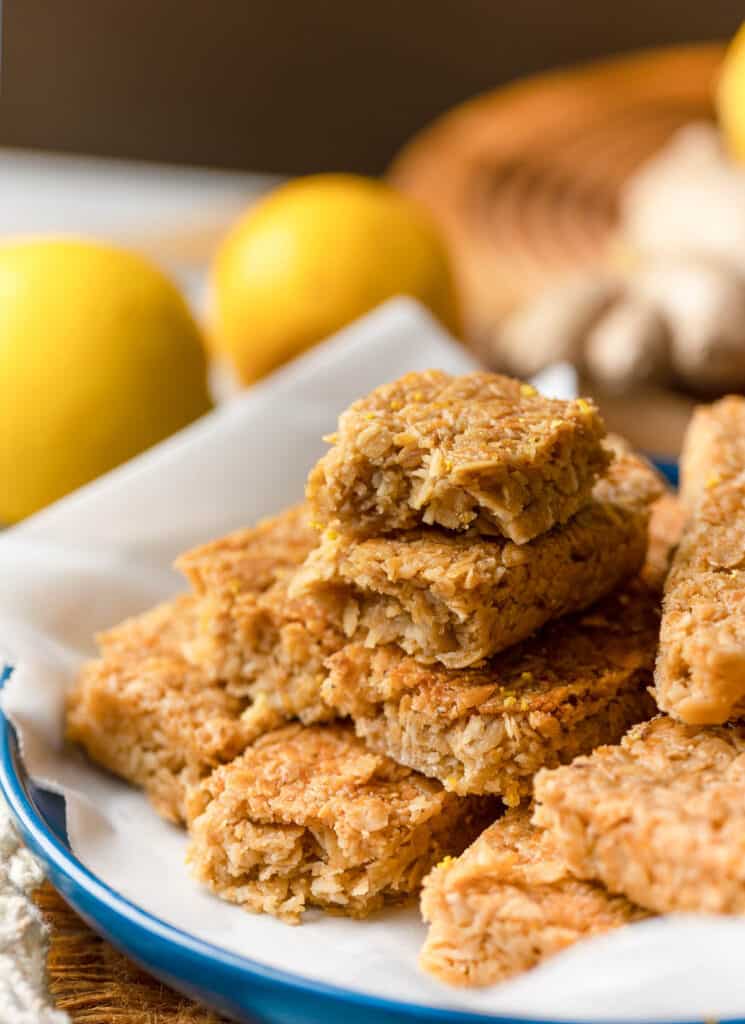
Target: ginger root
column 667, row 321
column 552, row 327
column 629, row 346
column 703, row 303
column 671, row 312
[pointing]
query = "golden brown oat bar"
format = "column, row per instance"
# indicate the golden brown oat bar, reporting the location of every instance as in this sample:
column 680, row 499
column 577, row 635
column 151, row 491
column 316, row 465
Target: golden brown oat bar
column 148, row 715
column 659, row 818
column 250, row 560
column 580, row 682
column 229, row 575
column 286, row 666
column 250, row 633
column 308, row 816
column 169, row 628
column 700, row 674
column 507, row 904
column 459, row 598
column 451, row 451
column 713, row 448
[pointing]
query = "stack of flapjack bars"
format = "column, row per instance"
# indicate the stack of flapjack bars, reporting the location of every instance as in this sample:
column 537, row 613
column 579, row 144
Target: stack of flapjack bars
column 451, row 646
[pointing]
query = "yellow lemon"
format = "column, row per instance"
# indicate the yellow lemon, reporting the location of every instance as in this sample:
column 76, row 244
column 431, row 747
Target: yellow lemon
column 731, row 95
column 313, row 256
column 99, row 359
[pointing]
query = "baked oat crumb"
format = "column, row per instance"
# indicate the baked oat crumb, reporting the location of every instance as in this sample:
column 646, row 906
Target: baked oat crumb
column 308, row 816
column 507, row 904
column 148, row 715
column 478, row 450
column 460, row 598
column 579, row 682
column 659, row 818
column 700, row 674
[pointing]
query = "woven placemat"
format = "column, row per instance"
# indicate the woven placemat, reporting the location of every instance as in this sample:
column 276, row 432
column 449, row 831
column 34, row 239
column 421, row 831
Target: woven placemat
column 525, row 182
column 95, row 984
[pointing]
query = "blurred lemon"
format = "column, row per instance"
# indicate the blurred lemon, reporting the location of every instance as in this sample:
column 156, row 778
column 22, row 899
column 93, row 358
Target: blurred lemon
column 316, row 254
column 99, row 359
column 731, row 95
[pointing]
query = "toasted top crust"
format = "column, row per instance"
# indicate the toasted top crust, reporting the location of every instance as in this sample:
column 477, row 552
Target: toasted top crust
column 432, row 448
column 514, row 852
column 251, row 559
column 700, row 674
column 678, row 785
column 512, row 849
column 630, row 480
column 659, row 817
column 675, row 757
column 508, row 903
column 566, row 669
column 470, row 419
column 713, row 448
column 713, row 487
column 168, row 628
column 469, row 596
column 199, row 721
column 304, row 775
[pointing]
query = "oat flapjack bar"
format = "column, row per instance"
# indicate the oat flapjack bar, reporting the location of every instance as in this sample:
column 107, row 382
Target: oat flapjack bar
column 579, row 682
column 264, row 645
column 507, row 904
column 168, row 628
column 229, row 575
column 659, row 818
column 700, row 674
column 459, row 598
column 308, row 816
column 457, row 451
column 148, row 715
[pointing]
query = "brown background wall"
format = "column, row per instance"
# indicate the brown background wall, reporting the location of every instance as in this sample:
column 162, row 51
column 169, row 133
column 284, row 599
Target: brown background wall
column 293, row 85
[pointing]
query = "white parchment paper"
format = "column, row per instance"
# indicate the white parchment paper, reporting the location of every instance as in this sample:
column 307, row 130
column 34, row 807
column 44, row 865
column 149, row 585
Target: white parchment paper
column 105, row 552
